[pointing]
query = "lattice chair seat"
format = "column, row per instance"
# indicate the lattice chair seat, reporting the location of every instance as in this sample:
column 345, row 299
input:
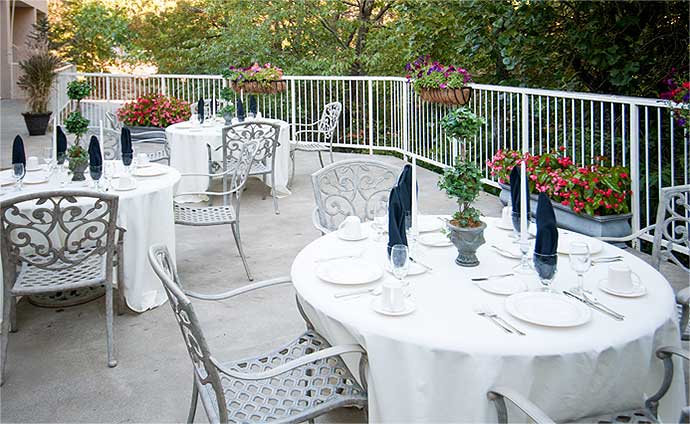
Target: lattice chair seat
column 258, row 168
column 203, row 215
column 309, row 146
column 320, row 386
column 32, row 279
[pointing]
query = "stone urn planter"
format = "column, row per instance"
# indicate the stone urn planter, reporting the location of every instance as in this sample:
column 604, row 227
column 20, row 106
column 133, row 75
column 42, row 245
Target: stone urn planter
column 78, row 167
column 593, row 226
column 447, row 96
column 467, row 240
column 253, row 87
column 36, row 123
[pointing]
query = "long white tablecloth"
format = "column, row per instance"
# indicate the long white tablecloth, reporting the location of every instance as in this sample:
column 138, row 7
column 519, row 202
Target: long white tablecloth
column 189, row 155
column 147, row 214
column 437, row 364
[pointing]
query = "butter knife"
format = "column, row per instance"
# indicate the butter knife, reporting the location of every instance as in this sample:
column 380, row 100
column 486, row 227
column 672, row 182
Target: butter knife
column 609, row 312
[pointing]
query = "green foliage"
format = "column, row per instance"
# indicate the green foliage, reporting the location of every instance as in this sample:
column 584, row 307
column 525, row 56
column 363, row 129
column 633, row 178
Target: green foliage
column 462, row 123
column 76, row 124
column 77, row 155
column 255, row 73
column 227, row 109
column 78, row 90
column 38, row 69
column 462, row 181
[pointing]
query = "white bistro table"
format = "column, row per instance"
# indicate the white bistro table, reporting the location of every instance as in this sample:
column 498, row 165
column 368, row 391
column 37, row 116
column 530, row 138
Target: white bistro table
column 437, row 364
column 189, row 154
column 146, row 213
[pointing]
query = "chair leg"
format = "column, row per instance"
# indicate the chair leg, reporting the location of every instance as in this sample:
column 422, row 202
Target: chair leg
column 192, row 406
column 321, row 159
column 4, row 337
column 121, row 304
column 263, row 177
column 109, row 323
column 238, row 242
column 292, row 171
column 13, row 314
column 273, row 192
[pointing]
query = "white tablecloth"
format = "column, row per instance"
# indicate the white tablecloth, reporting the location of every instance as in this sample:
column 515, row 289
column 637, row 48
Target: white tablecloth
column 147, row 214
column 189, row 155
column 437, row 364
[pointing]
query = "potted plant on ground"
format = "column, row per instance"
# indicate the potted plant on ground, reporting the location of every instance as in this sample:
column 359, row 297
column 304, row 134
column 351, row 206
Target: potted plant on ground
column 154, row 110
column 437, row 83
column 38, row 74
column 591, row 199
column 77, row 124
column 256, row 79
column 463, row 182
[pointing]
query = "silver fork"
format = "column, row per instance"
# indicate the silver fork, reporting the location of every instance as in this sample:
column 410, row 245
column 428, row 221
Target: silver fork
column 494, row 315
column 482, row 312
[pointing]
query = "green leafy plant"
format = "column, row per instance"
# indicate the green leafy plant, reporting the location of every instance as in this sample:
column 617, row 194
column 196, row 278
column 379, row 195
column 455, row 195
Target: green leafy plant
column 461, row 123
column 462, row 181
column 78, row 90
column 154, row 110
column 229, row 107
column 38, row 70
column 77, row 155
column 76, row 124
column 256, row 73
column 423, row 73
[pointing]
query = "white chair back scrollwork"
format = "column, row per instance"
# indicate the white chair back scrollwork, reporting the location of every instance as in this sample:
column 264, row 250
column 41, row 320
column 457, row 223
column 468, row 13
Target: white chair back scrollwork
column 672, row 228
column 110, row 141
column 329, row 120
column 357, row 187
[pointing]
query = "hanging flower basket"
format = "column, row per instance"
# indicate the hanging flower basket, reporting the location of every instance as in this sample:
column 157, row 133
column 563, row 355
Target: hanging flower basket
column 265, row 87
column 447, row 96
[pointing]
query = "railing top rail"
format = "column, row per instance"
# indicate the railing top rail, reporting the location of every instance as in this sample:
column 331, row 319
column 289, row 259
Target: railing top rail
column 575, row 95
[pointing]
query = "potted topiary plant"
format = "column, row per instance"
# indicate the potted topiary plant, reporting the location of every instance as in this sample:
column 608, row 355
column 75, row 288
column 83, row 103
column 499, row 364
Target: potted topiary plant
column 463, row 182
column 77, row 124
column 228, row 110
column 38, row 74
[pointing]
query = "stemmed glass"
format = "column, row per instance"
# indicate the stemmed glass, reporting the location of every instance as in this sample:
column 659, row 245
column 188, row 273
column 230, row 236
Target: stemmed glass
column 546, row 267
column 580, row 261
column 63, row 172
column 108, row 172
column 400, row 261
column 19, row 172
column 48, row 158
column 96, row 172
column 127, row 161
column 380, row 222
column 411, row 234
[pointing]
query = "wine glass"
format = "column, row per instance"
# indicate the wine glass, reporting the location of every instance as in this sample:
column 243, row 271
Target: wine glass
column 108, row 172
column 516, row 224
column 19, row 171
column 545, row 265
column 580, row 261
column 411, row 234
column 127, row 160
column 48, row 159
column 380, row 221
column 400, row 261
column 96, row 171
column 63, row 173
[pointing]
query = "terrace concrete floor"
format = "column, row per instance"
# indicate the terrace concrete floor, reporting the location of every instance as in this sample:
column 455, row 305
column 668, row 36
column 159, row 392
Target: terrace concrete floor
column 56, row 369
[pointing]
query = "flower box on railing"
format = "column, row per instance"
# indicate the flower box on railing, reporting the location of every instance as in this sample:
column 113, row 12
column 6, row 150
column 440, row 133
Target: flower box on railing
column 447, row 96
column 255, row 87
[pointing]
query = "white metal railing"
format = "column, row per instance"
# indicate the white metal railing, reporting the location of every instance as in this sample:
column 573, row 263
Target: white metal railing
column 384, row 113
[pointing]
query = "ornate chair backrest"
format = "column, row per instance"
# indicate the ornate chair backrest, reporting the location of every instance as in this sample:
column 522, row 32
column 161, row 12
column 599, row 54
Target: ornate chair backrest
column 352, row 187
column 205, row 372
column 672, row 229
column 244, row 153
column 110, row 141
column 265, row 133
column 57, row 230
column 113, row 122
column 329, row 119
column 208, row 108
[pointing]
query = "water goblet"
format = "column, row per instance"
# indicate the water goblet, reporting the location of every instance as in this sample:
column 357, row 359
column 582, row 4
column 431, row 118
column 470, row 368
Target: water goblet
column 108, row 173
column 96, row 171
column 48, row 159
column 63, row 173
column 19, row 171
column 400, row 261
column 546, row 267
column 127, row 161
column 380, row 222
column 580, row 262
column 515, row 216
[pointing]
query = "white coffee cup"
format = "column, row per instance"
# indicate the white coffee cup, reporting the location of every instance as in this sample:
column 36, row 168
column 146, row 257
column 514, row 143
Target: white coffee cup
column 126, row 182
column 142, row 159
column 392, row 295
column 507, row 217
column 621, row 278
column 351, row 227
column 32, row 163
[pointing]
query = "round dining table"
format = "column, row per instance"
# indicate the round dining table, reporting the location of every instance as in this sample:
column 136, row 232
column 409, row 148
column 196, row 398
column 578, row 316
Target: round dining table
column 189, row 143
column 437, row 363
column 145, row 212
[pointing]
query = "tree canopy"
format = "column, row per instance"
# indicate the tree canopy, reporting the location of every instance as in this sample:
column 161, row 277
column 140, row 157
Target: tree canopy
column 622, row 47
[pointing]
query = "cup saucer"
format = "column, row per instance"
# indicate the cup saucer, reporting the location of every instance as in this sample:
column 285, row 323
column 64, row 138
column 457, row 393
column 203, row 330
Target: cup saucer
column 362, row 236
column 637, row 290
column 377, row 305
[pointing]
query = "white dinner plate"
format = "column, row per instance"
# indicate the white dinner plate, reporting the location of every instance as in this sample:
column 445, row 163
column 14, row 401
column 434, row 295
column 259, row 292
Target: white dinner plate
column 151, row 171
column 35, row 179
column 503, row 286
column 377, row 305
column 363, row 234
column 511, row 250
column 435, row 240
column 567, row 237
column 6, row 181
column 414, row 269
column 637, row 291
column 532, row 228
column 548, row 309
column 428, row 223
column 38, row 168
column 127, row 188
column 349, row 271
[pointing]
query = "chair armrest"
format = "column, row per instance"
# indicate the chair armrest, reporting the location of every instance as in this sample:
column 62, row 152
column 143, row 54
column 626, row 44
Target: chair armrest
column 683, row 297
column 306, row 125
column 629, row 237
column 244, row 289
column 498, row 396
column 207, row 193
column 201, row 174
column 306, row 359
column 665, row 353
column 668, row 351
column 317, row 223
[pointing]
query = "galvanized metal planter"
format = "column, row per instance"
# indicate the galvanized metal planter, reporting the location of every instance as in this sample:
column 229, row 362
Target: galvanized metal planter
column 467, row 241
column 594, row 226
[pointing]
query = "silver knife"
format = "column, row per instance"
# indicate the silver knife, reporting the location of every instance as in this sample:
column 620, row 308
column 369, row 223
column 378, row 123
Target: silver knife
column 427, row 267
column 609, row 312
column 489, row 277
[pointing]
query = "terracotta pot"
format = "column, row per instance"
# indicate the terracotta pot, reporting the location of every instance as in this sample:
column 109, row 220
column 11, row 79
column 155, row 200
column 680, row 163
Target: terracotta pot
column 448, row 96
column 253, row 87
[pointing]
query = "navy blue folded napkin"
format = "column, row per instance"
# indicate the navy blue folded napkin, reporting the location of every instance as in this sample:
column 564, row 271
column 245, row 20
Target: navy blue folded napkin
column 396, row 220
column 61, row 139
column 515, row 190
column 252, row 105
column 18, row 154
column 200, row 110
column 95, row 157
column 404, row 186
column 240, row 110
column 547, row 228
column 126, row 141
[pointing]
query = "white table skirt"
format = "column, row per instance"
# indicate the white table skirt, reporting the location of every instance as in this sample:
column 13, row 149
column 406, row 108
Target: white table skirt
column 147, row 215
column 437, row 364
column 189, row 155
